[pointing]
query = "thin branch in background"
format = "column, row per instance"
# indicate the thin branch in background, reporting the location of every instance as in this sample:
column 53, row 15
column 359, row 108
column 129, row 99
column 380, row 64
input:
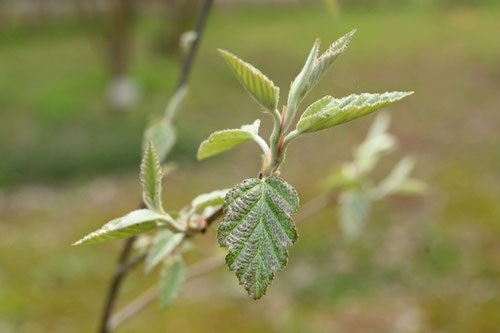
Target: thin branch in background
column 114, row 288
column 312, row 207
column 200, row 27
column 123, row 265
column 151, row 294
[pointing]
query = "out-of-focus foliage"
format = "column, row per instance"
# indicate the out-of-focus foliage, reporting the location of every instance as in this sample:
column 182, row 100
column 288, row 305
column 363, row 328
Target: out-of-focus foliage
column 436, row 271
column 358, row 189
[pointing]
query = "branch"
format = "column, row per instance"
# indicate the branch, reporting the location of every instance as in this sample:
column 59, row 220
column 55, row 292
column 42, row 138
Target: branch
column 123, row 266
column 118, row 276
column 151, row 294
column 311, row 208
column 200, row 27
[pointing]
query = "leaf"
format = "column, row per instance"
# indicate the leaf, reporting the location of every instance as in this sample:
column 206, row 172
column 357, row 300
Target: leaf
column 164, row 243
column 175, row 103
column 221, row 141
column 412, row 186
column 131, row 224
column 354, row 207
column 315, row 68
column 328, row 111
column 369, row 152
column 395, row 179
column 151, row 176
column 214, row 198
column 323, row 63
column 258, row 85
column 258, row 229
column 163, row 135
column 380, row 125
column 172, row 281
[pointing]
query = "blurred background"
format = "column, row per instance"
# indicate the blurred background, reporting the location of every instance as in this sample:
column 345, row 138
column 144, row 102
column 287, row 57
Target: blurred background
column 80, row 79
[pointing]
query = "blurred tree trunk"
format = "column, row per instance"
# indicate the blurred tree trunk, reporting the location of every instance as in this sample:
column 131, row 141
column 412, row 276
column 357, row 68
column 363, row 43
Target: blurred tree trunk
column 123, row 93
column 120, row 33
column 180, row 17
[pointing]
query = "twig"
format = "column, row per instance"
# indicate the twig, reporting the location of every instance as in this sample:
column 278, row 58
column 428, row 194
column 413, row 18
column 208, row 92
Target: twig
column 200, row 27
column 118, row 276
column 151, row 294
column 311, row 208
column 123, row 265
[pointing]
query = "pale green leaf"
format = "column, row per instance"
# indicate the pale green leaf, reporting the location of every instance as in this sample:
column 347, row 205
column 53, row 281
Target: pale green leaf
column 411, row 186
column 354, row 207
column 214, row 198
column 131, row 224
column 329, row 111
column 257, row 84
column 151, row 177
column 258, row 229
column 221, row 141
column 342, row 178
column 164, row 243
column 172, row 280
column 163, row 135
column 395, row 179
column 323, row 63
column 315, row 68
column 369, row 152
column 380, row 125
column 175, row 103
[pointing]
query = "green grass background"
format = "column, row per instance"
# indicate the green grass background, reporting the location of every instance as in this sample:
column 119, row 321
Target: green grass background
column 68, row 165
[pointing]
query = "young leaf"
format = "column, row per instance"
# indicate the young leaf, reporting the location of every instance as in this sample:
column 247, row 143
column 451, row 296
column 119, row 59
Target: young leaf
column 214, row 198
column 323, row 63
column 314, row 69
column 131, row 224
column 411, row 186
column 328, row 111
column 379, row 126
column 163, row 136
column 258, row 229
column 151, row 177
column 164, row 243
column 395, row 179
column 221, row 141
column 175, row 103
column 354, row 207
column 171, row 282
column 258, row 85
column 369, row 152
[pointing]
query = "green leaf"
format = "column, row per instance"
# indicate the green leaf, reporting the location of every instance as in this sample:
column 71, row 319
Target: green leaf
column 325, row 61
column 380, row 125
column 258, row 229
column 151, row 177
column 131, row 224
column 175, row 103
column 163, row 135
column 329, row 111
column 395, row 179
column 315, row 68
column 221, row 141
column 412, row 186
column 164, row 243
column 369, row 152
column 172, row 281
column 258, row 85
column 214, row 198
column 354, row 207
